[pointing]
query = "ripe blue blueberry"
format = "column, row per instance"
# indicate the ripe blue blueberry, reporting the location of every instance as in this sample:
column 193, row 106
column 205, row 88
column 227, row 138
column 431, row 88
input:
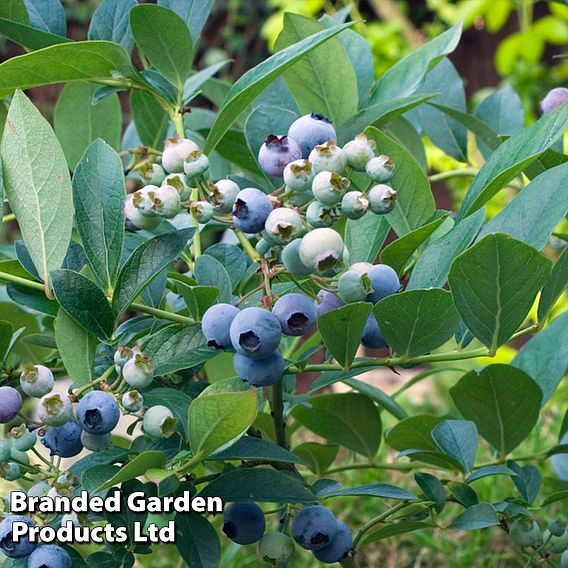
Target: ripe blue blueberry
column 380, row 169
column 202, row 211
column 338, row 548
column 10, row 404
column 132, row 214
column 251, row 209
column 64, row 441
column 384, row 281
column 255, row 332
column 12, row 549
column 329, row 187
column 176, row 150
column 22, row 439
column 36, row 380
column 354, row 204
column 132, row 401
column 353, row 286
column 260, row 372
column 276, row 549
column 298, row 175
column 314, row 527
column 243, row 523
column 372, row 337
column 216, row 324
column 96, row 443
column 224, row 194
column 179, row 181
column 328, row 157
column 283, row 225
column 554, row 99
column 382, row 199
column 39, row 489
column 320, row 215
column 195, row 164
column 322, row 249
column 98, row 413
column 291, row 259
column 359, row 151
column 325, row 302
column 311, row 130
column 276, row 153
column 138, row 371
column 159, row 422
column 296, row 314
column 49, row 556
column 54, row 409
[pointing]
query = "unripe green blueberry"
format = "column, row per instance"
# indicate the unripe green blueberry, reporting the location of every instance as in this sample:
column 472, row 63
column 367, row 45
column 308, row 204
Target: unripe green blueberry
column 359, row 151
column 96, row 443
column 144, row 200
column 300, row 198
column 380, row 169
column 283, row 225
column 328, row 157
column 151, row 173
column 196, row 164
column 265, row 247
column 122, row 355
column 5, row 447
column 322, row 249
column 179, row 181
column 564, row 559
column 22, row 439
column 140, row 221
column 291, row 259
column 298, row 175
column 353, row 286
column 176, row 150
column 10, row 471
column 525, row 532
column 36, row 380
column 276, row 549
column 54, row 409
column 329, row 187
column 224, row 194
column 557, row 527
column 167, row 203
column 132, row 401
column 18, row 456
column 138, row 372
column 159, row 422
column 320, row 215
column 202, row 211
column 382, row 199
column 354, row 204
column 556, row 544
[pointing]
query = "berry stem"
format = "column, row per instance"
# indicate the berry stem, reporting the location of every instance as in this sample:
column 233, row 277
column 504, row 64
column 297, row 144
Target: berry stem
column 277, row 408
column 78, row 393
column 247, row 247
column 177, row 119
column 197, row 235
column 349, row 562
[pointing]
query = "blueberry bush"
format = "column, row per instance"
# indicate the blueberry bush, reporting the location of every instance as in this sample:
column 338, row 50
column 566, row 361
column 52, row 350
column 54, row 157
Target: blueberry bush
column 176, row 282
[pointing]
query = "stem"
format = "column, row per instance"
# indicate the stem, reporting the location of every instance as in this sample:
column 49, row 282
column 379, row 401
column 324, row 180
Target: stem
column 46, row 462
column 161, row 314
column 278, row 415
column 197, row 235
column 463, row 172
column 247, row 247
column 191, row 464
column 177, row 119
column 384, row 466
column 378, row 519
column 95, row 382
column 10, row 217
column 22, row 281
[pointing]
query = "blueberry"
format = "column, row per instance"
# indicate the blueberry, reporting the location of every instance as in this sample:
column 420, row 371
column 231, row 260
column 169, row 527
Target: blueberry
column 10, row 404
column 325, row 302
column 354, row 205
column 353, row 286
column 202, row 211
column 554, row 99
column 555, row 544
column 251, row 209
column 138, row 371
column 36, row 380
column 260, row 372
column 95, row 443
column 132, row 401
column 301, row 198
column 276, row 153
column 380, row 169
column 11, row 549
column 159, row 422
column 314, row 527
column 359, row 151
column 140, row 221
column 525, row 532
column 382, row 199
column 22, row 439
column 338, row 548
column 372, row 337
column 143, row 200
column 320, row 215
column 322, row 250
column 310, row 130
column 196, row 164
column 329, row 187
column 39, row 489
column 243, row 523
column 296, row 314
column 122, row 355
column 5, row 447
column 298, row 175
column 49, row 556
column 556, row 527
column 216, row 324
column 283, row 225
column 328, row 157
column 266, row 248
column 384, row 281
column 64, row 441
column 361, row 267
column 179, row 181
column 276, row 549
column 224, row 194
column 176, row 150
column 11, row 471
column 291, row 259
column 167, row 203
column 151, row 173
column 255, row 332
column 54, row 409
column 564, row 559
column 98, row 413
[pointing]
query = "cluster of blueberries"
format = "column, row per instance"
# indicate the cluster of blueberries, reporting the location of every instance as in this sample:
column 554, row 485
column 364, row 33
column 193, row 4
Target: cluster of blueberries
column 314, row 528
column 554, row 538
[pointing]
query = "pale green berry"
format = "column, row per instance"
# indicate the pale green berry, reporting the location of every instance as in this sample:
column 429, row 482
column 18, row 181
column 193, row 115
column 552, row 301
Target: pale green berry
column 144, row 199
column 202, row 211
column 151, row 173
column 359, row 151
column 22, row 439
column 96, row 443
column 265, row 247
column 179, row 181
column 19, row 456
column 167, row 203
column 36, row 380
column 122, row 355
column 132, row 401
column 196, row 164
column 298, row 175
column 283, row 225
column 382, row 199
column 354, row 204
column 5, row 447
column 55, row 409
column 320, row 215
column 564, row 559
column 138, row 372
column 159, row 422
column 353, row 286
column 329, row 187
column 322, row 249
column 328, row 157
column 556, row 544
column 10, row 471
column 276, row 549
column 380, row 169
column 291, row 259
column 525, row 532
column 224, row 194
column 140, row 221
column 176, row 150
column 300, row 198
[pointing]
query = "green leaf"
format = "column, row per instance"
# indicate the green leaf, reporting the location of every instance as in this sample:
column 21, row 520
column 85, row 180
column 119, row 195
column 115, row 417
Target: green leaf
column 31, row 298
column 193, row 12
column 512, row 157
column 47, row 15
column 532, row 215
column 233, row 259
column 249, row 448
column 110, row 22
column 74, row 61
column 504, row 402
column 77, row 348
column 318, row 457
column 177, row 401
column 376, row 394
column 383, row 490
column 28, row 36
column 416, row 322
column 95, row 476
column 216, row 420
column 413, row 433
column 196, row 80
column 98, row 195
column 138, row 466
column 197, row 541
column 415, row 203
column 6, row 332
column 479, row 516
column 37, row 184
column 198, row 299
column 403, row 78
column 348, row 419
column 164, row 38
column 14, row 10
column 431, row 270
column 457, row 439
column 432, row 488
column 364, row 237
column 394, row 529
column 177, row 347
column 494, row 285
column 260, row 485
column 341, row 330
column 397, row 253
column 84, row 302
column 145, row 263
column 545, row 356
column 254, row 81
column 210, row 272
column 554, row 287
column 150, row 118
column 324, row 80
column 487, row 471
